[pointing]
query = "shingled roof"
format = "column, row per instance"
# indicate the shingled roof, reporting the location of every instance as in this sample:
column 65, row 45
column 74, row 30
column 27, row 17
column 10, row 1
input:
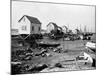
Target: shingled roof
column 31, row 19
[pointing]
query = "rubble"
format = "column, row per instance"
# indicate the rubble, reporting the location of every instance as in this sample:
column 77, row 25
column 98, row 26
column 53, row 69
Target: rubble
column 47, row 59
column 91, row 46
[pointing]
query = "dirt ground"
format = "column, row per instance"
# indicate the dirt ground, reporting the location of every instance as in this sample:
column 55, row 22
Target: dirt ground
column 71, row 49
column 71, row 45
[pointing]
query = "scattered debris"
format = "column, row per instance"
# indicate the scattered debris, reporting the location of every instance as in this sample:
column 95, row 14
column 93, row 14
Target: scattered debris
column 85, row 58
column 91, row 46
column 28, row 58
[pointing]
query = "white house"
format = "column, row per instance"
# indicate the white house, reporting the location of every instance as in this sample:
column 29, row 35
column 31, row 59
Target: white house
column 29, row 25
column 52, row 26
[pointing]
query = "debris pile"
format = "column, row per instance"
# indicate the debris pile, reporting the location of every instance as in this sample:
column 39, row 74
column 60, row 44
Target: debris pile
column 28, row 58
column 22, row 56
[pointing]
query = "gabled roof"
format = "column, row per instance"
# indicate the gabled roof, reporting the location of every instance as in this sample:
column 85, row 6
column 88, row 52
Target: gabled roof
column 31, row 19
column 65, row 27
column 55, row 25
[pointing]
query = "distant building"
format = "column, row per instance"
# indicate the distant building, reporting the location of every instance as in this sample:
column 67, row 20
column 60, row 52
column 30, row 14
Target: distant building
column 64, row 29
column 53, row 26
column 14, row 32
column 29, row 25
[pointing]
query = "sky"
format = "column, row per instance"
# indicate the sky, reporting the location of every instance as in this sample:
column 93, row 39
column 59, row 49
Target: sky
column 72, row 16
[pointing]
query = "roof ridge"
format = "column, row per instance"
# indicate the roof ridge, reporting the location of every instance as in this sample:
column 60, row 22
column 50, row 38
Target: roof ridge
column 32, row 19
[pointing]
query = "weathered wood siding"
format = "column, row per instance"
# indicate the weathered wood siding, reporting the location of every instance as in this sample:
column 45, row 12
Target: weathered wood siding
column 37, row 28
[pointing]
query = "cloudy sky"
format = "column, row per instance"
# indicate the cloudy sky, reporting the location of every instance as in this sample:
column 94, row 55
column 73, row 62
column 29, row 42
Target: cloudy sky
column 73, row 16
